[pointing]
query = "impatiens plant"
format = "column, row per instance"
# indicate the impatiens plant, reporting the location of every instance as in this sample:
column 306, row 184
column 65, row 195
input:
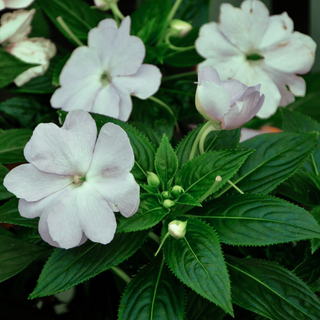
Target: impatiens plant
column 139, row 198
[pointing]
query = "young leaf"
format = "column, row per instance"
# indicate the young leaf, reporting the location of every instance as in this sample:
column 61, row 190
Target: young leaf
column 11, row 67
column 12, row 143
column 66, row 268
column 188, row 199
column 153, row 293
column 4, row 193
column 257, row 220
column 198, row 262
column 16, row 255
column 271, row 291
column 277, row 157
column 198, row 175
column 150, row 212
column 166, row 162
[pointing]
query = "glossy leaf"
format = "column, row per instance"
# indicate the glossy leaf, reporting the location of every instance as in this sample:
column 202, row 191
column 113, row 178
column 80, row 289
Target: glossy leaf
column 198, row 262
column 154, row 293
column 270, row 290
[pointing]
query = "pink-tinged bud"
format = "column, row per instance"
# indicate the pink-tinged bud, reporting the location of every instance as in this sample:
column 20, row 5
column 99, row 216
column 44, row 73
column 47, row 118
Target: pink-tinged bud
column 177, row 229
column 179, row 28
column 228, row 105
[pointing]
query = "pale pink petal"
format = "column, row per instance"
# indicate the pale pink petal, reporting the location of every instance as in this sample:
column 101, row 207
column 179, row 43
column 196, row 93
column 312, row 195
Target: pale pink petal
column 244, row 27
column 125, row 106
column 212, row 100
column 107, row 102
column 16, row 4
column 208, row 74
column 235, row 87
column 247, row 134
column 15, row 26
column 27, row 182
column 143, row 84
column 66, row 150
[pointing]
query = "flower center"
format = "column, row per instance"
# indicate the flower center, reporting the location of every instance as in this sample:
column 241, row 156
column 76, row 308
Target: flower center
column 105, row 79
column 78, row 179
column 254, row 57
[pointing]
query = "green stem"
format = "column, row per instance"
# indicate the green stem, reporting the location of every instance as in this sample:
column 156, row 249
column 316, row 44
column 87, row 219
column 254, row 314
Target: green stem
column 196, row 141
column 154, row 237
column 239, row 190
column 156, row 288
column 65, row 27
column 119, row 272
column 171, row 46
column 162, row 242
column 178, row 76
column 115, row 10
column 216, row 182
column 203, row 138
column 314, row 165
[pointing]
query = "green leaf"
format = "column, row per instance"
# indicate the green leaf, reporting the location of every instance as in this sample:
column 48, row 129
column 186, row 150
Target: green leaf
column 150, row 212
column 277, row 157
column 15, row 255
column 198, row 262
column 315, row 243
column 11, row 67
column 4, row 193
column 188, row 199
column 58, row 68
column 12, row 143
column 257, row 220
column 66, row 268
column 150, row 19
column 147, row 131
column 271, row 291
column 76, row 14
column 216, row 140
column 144, row 151
column 198, row 175
column 9, row 213
column 154, row 293
column 166, row 162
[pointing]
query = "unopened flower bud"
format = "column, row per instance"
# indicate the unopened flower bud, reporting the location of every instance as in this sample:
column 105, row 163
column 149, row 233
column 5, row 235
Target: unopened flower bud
column 153, row 179
column 104, row 4
column 166, row 194
column 168, row 203
column 179, row 28
column 177, row 191
column 177, row 228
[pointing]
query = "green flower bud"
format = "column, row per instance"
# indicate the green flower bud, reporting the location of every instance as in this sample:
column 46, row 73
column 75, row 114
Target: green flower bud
column 166, row 194
column 153, row 179
column 177, row 228
column 168, row 203
column 179, row 28
column 177, row 191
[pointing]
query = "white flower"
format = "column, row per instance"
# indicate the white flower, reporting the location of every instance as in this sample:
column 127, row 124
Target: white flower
column 74, row 182
column 247, row 33
column 14, row 4
column 111, row 70
column 230, row 102
column 177, row 228
column 15, row 27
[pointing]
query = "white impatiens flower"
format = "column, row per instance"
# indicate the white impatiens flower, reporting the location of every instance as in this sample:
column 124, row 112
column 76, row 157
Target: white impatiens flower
column 102, row 77
column 232, row 103
column 14, row 4
column 14, row 30
column 74, row 181
column 249, row 45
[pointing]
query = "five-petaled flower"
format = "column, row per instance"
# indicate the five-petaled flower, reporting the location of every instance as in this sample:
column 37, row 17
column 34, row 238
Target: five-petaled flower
column 111, row 71
column 227, row 105
column 14, row 4
column 252, row 47
column 74, row 182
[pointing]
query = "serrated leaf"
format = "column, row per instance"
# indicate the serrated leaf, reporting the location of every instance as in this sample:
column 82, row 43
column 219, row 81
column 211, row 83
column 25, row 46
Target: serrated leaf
column 271, row 291
column 315, row 243
column 188, row 199
column 277, row 157
column 150, row 189
column 4, row 193
column 150, row 212
column 66, row 268
column 198, row 262
column 15, row 255
column 154, row 293
column 309, row 270
column 147, row 131
column 216, row 140
column 166, row 162
column 9, row 213
column 198, row 175
column 257, row 220
column 12, row 143
column 11, row 67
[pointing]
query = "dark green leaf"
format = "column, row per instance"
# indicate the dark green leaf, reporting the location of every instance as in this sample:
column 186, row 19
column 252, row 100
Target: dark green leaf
column 12, row 143
column 277, row 157
column 147, row 131
column 154, row 293
column 309, row 270
column 197, row 261
column 15, row 255
column 256, row 220
column 11, row 67
column 58, row 69
column 271, row 291
column 315, row 243
column 4, row 193
column 66, row 268
column 198, row 175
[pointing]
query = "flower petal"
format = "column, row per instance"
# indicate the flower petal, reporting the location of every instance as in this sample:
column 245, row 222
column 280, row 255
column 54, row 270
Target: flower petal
column 125, row 106
column 27, row 182
column 208, row 74
column 67, row 150
column 16, row 4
